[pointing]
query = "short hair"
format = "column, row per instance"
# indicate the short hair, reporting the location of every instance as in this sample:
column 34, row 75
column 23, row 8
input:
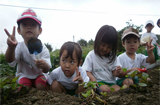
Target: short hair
column 130, row 36
column 18, row 23
column 107, row 34
column 70, row 47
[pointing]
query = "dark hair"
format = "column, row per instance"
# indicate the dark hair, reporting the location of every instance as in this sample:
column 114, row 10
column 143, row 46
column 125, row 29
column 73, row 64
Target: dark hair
column 106, row 34
column 158, row 22
column 130, row 36
column 70, row 47
column 18, row 23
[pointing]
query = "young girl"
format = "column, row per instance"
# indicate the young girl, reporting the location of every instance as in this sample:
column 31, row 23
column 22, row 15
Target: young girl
column 67, row 77
column 101, row 63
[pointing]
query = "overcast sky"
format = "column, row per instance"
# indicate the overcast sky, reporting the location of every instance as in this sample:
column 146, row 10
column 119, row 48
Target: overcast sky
column 63, row 19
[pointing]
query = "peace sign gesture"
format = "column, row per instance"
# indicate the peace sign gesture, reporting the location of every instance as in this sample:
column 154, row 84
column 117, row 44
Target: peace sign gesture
column 78, row 77
column 150, row 47
column 11, row 41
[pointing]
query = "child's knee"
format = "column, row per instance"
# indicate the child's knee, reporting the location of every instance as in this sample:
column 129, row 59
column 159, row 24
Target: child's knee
column 105, row 88
column 128, row 82
column 57, row 87
column 41, row 86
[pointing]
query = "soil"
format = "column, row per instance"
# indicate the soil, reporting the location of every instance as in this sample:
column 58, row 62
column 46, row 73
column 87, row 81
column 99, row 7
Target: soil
column 149, row 95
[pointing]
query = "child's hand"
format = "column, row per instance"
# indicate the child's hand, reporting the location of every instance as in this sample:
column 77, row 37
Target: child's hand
column 119, row 69
column 149, row 47
column 40, row 63
column 136, row 68
column 11, row 41
column 78, row 77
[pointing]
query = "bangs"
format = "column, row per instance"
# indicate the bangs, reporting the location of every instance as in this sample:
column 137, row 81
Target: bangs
column 110, row 39
column 69, row 49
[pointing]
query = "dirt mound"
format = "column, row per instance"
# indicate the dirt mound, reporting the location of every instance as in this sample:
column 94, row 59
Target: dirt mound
column 149, row 95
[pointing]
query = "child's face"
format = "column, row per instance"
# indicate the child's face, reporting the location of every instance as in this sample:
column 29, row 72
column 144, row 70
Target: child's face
column 29, row 28
column 149, row 27
column 68, row 65
column 104, row 49
column 131, row 45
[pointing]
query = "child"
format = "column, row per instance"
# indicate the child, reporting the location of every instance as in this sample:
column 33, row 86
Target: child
column 149, row 26
column 67, row 77
column 29, row 70
column 101, row 63
column 131, row 60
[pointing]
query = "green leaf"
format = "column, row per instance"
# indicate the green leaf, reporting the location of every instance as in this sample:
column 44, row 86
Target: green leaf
column 6, row 86
column 112, row 89
column 14, row 85
column 142, row 84
column 132, row 73
column 124, row 87
column 134, row 85
column 87, row 94
column 3, row 79
column 15, row 79
column 124, row 69
column 84, row 95
column 145, row 76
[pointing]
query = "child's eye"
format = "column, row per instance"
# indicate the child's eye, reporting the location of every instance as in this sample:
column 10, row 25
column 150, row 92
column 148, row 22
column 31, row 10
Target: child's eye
column 72, row 62
column 135, row 41
column 33, row 24
column 103, row 44
column 63, row 60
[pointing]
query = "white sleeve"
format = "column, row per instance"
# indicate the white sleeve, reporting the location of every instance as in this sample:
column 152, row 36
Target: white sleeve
column 119, row 60
column 143, row 60
column 87, row 64
column 52, row 76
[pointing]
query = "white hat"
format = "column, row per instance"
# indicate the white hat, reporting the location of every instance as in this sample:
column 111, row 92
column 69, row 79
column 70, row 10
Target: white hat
column 149, row 21
column 29, row 13
column 129, row 31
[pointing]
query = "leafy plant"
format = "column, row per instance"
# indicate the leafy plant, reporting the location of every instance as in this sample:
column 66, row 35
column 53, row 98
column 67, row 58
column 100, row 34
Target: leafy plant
column 90, row 94
column 6, row 70
column 8, row 86
column 142, row 77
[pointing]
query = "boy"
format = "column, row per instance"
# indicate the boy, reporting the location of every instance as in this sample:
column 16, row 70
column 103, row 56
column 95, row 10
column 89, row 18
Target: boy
column 131, row 60
column 29, row 70
column 67, row 77
column 149, row 26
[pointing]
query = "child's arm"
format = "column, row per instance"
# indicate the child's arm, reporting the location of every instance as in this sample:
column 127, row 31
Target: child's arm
column 118, row 72
column 41, row 64
column 91, row 77
column 80, row 81
column 150, row 58
column 12, row 43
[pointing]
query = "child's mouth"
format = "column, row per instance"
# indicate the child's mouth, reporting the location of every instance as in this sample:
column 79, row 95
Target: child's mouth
column 29, row 32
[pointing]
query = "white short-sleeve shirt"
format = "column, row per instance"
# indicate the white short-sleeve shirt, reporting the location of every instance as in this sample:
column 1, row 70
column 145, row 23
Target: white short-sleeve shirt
column 128, row 63
column 100, row 68
column 67, row 82
column 26, row 66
